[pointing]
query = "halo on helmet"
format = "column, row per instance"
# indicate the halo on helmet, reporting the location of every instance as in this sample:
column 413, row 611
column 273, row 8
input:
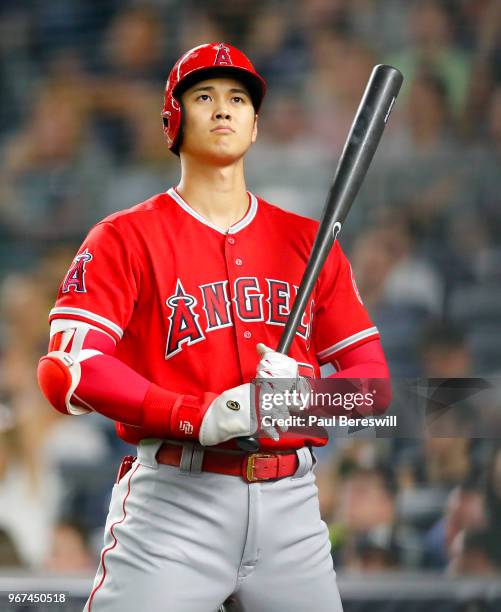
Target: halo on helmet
column 253, row 84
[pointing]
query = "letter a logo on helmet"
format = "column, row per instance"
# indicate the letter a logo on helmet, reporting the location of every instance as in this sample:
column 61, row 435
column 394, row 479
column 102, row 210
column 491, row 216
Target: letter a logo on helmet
column 202, row 62
column 223, row 56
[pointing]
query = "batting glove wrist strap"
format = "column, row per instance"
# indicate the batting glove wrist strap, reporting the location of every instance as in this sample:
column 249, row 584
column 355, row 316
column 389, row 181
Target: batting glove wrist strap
column 232, row 414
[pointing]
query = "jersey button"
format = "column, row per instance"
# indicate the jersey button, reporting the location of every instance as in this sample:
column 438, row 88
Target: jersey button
column 231, row 240
column 238, row 261
column 247, row 334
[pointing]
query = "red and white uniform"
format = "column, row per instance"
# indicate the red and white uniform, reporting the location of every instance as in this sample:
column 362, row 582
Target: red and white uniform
column 186, row 302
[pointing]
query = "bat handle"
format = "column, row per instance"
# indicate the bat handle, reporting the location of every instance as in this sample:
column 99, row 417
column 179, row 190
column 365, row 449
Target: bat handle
column 248, row 444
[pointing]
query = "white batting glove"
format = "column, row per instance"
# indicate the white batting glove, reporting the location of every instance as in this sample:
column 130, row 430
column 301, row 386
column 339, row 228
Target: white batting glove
column 279, row 373
column 275, row 365
column 231, row 415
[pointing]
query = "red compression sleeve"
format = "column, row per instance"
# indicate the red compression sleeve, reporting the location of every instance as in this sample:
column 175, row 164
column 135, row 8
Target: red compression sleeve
column 109, row 386
column 364, row 369
column 364, row 361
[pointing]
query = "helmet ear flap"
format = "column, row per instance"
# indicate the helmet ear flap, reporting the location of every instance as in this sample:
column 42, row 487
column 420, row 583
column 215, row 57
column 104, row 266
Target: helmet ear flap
column 179, row 137
column 166, row 118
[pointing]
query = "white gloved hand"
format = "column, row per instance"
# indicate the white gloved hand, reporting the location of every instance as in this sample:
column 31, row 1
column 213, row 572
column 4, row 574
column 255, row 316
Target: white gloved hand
column 279, row 374
column 231, row 415
column 275, row 365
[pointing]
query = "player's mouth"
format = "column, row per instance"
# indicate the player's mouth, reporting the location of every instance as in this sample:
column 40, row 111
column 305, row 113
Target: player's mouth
column 222, row 129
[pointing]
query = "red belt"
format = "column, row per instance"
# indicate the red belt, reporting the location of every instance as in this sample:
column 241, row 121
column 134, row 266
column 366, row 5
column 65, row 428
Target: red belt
column 252, row 467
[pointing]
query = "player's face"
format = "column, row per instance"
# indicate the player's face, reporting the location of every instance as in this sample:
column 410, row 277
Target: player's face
column 220, row 123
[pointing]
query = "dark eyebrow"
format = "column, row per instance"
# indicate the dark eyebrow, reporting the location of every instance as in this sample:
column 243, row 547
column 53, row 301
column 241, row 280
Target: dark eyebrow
column 211, row 88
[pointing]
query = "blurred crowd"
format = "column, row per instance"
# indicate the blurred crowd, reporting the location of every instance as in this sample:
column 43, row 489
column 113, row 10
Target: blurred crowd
column 81, row 85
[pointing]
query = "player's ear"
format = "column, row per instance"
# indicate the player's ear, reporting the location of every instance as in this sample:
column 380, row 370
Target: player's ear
column 254, row 130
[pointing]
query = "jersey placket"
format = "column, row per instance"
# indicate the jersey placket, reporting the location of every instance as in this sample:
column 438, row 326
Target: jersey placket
column 235, row 266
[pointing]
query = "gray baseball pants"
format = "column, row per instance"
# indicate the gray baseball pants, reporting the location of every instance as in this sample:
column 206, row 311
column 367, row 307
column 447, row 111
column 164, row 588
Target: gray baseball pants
column 181, row 540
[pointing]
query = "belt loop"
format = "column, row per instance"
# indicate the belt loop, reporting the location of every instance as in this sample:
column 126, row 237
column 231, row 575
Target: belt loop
column 186, row 457
column 147, row 450
column 305, row 460
column 197, row 458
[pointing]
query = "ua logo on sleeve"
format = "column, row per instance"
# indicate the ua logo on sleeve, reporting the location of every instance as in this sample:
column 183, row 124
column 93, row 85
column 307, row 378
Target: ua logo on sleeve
column 75, row 279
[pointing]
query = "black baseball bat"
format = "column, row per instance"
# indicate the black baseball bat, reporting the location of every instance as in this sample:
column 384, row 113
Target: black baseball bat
column 361, row 144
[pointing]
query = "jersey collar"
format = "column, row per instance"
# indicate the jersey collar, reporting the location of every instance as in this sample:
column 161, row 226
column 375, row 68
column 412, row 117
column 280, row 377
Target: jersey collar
column 249, row 215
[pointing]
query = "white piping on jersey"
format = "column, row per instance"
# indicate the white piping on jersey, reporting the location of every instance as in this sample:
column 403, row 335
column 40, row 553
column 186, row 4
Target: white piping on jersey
column 371, row 331
column 251, row 213
column 67, row 310
column 61, row 325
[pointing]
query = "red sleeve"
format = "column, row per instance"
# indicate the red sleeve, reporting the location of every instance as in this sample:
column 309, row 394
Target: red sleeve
column 364, row 367
column 108, row 386
column 341, row 321
column 102, row 283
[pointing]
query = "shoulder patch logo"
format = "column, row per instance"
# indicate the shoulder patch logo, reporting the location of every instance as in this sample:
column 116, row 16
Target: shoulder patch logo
column 222, row 56
column 75, row 278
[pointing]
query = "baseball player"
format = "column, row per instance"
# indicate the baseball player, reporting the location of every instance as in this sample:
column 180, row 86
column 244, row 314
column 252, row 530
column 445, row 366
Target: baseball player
column 166, row 314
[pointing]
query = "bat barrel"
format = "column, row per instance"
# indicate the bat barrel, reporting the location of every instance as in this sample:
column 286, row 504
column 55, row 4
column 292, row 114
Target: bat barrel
column 363, row 139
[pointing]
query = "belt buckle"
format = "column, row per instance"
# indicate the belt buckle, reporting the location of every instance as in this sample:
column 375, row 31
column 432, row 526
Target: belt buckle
column 250, row 466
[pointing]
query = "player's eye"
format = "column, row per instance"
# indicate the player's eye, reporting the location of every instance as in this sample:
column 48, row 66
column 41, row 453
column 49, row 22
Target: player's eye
column 238, row 99
column 203, row 97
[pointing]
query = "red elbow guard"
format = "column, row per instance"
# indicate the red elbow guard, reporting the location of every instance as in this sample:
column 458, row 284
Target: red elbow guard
column 58, row 376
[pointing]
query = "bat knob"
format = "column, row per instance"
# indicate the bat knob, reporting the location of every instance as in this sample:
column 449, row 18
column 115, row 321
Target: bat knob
column 249, row 445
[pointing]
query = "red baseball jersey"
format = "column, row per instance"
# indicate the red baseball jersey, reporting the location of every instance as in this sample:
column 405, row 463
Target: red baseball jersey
column 187, row 301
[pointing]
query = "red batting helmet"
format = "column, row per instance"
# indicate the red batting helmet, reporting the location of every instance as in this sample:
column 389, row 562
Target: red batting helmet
column 200, row 63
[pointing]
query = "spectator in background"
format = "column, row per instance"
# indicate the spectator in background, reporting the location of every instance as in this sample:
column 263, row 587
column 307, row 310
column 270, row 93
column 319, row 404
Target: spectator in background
column 9, row 556
column 70, row 551
column 313, row 15
column 132, row 67
column 432, row 43
column 374, row 552
column 51, row 176
column 426, row 179
column 148, row 168
column 482, row 28
column 390, row 272
column 475, row 553
column 277, row 169
column 383, row 23
column 464, row 512
column 199, row 27
column 493, row 494
column 366, row 500
column 482, row 195
column 134, row 46
column 444, row 351
column 400, row 289
column 339, row 71
column 17, row 71
column 37, row 443
column 278, row 49
column 30, row 492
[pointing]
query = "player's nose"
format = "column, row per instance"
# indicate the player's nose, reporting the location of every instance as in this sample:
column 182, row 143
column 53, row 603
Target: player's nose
column 222, row 113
